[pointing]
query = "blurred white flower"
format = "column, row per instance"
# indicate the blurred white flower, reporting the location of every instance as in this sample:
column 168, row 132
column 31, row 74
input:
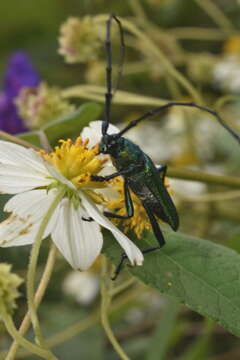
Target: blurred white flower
column 186, row 189
column 82, row 286
column 226, row 73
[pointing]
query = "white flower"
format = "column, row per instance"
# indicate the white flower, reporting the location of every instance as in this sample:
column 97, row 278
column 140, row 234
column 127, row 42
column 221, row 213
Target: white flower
column 83, row 287
column 35, row 183
column 227, row 73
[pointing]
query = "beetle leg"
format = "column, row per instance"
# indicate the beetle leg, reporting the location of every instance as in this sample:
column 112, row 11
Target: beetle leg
column 89, row 219
column 119, row 266
column 105, row 178
column 128, row 204
column 156, row 228
column 158, row 234
column 109, row 177
column 124, row 257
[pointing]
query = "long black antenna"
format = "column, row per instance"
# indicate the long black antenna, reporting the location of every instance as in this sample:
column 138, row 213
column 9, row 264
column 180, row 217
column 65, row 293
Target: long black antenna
column 109, row 94
column 171, row 104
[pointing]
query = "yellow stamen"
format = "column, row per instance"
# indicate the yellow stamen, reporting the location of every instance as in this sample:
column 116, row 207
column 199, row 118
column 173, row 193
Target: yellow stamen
column 77, row 163
column 139, row 222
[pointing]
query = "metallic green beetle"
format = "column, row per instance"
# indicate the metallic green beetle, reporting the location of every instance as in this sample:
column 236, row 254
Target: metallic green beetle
column 139, row 172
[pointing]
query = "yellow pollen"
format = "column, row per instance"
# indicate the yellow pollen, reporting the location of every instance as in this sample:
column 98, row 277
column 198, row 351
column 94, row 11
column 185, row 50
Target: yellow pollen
column 77, row 163
column 139, row 221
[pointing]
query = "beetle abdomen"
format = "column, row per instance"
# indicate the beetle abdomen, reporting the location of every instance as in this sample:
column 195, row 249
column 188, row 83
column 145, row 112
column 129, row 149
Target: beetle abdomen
column 161, row 205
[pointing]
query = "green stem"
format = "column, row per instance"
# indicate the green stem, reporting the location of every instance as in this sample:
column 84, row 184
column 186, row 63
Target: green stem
column 84, row 324
column 216, row 14
column 213, row 197
column 126, row 284
column 94, row 92
column 138, row 11
column 35, row 349
column 33, row 265
column 224, row 100
column 194, row 175
column 230, row 214
column 37, row 299
column 105, row 302
column 198, row 33
column 156, row 52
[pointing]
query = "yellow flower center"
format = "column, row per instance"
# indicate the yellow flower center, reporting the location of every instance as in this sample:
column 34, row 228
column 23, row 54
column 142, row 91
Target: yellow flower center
column 77, row 163
column 139, row 221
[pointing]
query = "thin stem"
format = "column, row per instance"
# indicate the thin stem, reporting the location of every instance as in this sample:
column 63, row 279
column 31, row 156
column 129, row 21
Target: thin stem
column 37, row 299
column 126, row 284
column 84, row 324
column 212, row 197
column 121, row 97
column 35, row 349
column 138, row 11
column 198, row 33
column 194, row 175
column 216, row 14
column 154, row 49
column 44, row 140
column 105, row 302
column 224, row 100
column 18, row 141
column 33, row 265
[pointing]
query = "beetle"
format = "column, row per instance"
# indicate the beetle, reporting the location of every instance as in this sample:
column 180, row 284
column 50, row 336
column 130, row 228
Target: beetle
column 140, row 174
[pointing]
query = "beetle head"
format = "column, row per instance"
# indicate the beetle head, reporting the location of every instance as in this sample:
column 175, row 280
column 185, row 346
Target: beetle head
column 110, row 144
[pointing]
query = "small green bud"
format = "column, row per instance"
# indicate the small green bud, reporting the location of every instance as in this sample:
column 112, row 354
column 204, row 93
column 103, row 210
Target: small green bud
column 80, row 39
column 9, row 284
column 42, row 104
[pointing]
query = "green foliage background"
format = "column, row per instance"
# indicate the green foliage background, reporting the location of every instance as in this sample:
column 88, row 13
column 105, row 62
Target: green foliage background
column 149, row 326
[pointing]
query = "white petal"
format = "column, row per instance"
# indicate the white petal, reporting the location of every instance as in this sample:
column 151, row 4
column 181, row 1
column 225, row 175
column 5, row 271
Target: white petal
column 15, row 180
column 20, row 169
column 27, row 211
column 57, row 175
column 79, row 241
column 15, row 154
column 15, row 232
column 133, row 252
column 94, row 132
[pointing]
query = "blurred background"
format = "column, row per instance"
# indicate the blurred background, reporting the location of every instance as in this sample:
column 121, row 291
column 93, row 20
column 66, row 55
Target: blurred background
column 201, row 38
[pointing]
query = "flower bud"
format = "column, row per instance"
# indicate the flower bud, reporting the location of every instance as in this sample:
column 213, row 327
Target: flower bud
column 80, row 39
column 42, row 104
column 9, row 284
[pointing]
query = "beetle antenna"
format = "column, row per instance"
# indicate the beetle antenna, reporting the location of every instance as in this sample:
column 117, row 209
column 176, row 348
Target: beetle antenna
column 108, row 46
column 171, row 104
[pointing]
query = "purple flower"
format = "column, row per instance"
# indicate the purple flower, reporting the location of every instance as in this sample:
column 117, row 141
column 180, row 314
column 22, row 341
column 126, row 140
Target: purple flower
column 19, row 73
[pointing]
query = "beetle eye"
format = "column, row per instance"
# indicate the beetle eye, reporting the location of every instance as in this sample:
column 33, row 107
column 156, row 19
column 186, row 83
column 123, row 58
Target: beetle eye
column 103, row 148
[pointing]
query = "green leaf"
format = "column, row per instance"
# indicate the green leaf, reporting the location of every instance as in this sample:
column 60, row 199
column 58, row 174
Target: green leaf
column 67, row 126
column 31, row 137
column 198, row 273
column 161, row 338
